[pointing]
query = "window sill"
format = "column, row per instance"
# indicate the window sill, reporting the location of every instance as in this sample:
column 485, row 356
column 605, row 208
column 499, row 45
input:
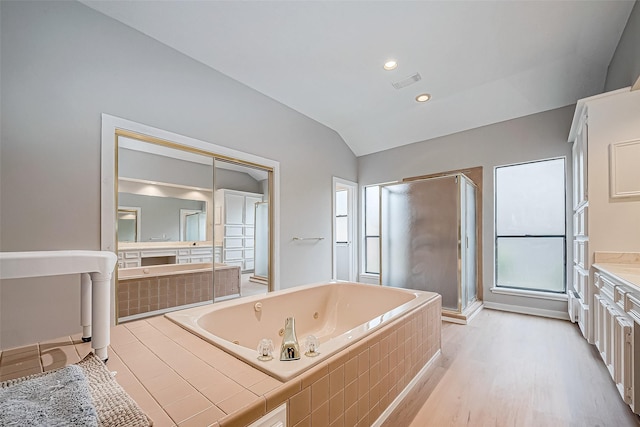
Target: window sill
column 529, row 294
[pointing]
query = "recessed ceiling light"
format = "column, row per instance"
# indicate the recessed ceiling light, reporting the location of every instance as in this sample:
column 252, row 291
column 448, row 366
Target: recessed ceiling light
column 390, row 65
column 423, row 97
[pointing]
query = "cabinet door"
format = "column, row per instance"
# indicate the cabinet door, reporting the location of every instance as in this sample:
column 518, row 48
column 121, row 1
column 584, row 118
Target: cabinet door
column 250, row 209
column 233, row 209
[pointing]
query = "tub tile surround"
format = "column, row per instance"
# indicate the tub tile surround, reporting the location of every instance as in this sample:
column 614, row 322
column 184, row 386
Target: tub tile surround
column 180, row 379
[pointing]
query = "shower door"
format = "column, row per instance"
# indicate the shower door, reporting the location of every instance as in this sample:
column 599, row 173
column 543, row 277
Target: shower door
column 421, row 247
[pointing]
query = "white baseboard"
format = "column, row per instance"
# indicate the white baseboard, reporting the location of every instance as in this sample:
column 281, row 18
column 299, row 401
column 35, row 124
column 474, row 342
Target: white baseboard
column 383, row 417
column 563, row 315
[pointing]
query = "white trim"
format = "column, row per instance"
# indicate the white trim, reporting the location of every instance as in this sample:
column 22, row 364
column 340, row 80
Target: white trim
column 398, row 400
column 530, row 294
column 352, row 188
column 107, row 193
column 563, row 315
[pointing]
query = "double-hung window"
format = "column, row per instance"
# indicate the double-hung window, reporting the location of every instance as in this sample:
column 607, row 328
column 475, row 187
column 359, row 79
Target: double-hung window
column 530, row 229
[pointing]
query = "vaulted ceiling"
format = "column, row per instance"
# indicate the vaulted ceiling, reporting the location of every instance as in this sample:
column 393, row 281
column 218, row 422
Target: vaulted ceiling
column 481, row 61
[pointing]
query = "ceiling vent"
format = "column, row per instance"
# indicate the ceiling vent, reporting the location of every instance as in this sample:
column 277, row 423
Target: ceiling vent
column 407, row 81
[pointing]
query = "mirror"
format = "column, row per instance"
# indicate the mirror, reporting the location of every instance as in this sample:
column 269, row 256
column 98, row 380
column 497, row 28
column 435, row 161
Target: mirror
column 202, row 228
column 128, row 224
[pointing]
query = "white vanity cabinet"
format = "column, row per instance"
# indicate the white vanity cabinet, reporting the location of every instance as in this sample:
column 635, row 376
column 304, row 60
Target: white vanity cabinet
column 141, row 256
column 235, row 222
column 616, row 332
column 600, row 222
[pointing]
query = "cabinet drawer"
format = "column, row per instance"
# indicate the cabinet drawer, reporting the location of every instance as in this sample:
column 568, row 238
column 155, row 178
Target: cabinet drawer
column 202, row 251
column 607, row 288
column 249, row 231
column 129, row 264
column 130, row 255
column 248, row 264
column 632, row 306
column 248, row 253
column 183, row 252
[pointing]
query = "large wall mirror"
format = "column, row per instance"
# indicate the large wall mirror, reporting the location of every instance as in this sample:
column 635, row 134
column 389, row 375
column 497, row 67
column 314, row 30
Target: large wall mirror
column 192, row 228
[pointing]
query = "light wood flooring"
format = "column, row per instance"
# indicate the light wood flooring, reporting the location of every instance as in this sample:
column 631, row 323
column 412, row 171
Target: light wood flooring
column 507, row 369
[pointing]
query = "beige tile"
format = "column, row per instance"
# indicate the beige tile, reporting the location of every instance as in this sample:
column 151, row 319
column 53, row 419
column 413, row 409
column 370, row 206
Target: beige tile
column 351, row 370
column 13, row 358
column 320, row 392
column 177, row 390
column 351, row 394
column 160, row 418
column 363, row 405
column 374, row 374
column 265, row 386
column 249, row 377
column 314, row 374
column 30, row 363
column 162, row 381
column 210, row 377
column 363, row 383
column 142, row 397
column 237, row 401
column 351, row 416
column 221, row 390
column 59, row 357
column 279, row 395
column 10, row 375
column 33, row 348
column 339, row 422
column 338, row 360
column 300, row 406
column 320, row 416
column 187, row 407
column 336, row 406
column 304, row 423
column 374, row 352
column 336, row 380
column 246, row 415
column 363, row 362
column 55, row 343
column 204, row 418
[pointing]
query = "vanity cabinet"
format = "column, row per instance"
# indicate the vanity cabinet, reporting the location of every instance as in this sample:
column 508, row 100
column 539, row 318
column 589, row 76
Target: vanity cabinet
column 616, row 314
column 140, row 257
column 235, row 222
column 600, row 222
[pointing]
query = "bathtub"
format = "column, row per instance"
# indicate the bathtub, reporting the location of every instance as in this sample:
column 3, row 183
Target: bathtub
column 338, row 314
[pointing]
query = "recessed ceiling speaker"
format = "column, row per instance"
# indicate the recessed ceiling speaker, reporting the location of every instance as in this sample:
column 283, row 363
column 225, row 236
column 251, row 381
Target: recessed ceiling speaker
column 407, row 81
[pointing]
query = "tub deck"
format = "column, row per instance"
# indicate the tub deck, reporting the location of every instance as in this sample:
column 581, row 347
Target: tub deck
column 180, row 379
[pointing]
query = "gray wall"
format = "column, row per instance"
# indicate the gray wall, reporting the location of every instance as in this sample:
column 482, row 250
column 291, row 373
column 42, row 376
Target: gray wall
column 624, row 68
column 535, row 137
column 62, row 65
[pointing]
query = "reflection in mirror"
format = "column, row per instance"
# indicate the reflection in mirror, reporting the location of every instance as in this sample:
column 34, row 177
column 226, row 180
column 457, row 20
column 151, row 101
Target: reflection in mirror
column 200, row 242
column 128, row 224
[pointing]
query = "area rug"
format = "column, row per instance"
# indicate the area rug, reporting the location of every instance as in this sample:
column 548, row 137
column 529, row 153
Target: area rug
column 83, row 394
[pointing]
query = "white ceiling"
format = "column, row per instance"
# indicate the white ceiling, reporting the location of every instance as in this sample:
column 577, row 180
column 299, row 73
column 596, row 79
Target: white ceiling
column 482, row 61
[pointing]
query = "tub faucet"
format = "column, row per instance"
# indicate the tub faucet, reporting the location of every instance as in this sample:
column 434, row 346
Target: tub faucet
column 290, row 350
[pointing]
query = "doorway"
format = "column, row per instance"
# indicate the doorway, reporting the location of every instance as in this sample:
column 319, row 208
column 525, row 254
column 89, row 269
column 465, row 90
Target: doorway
column 344, row 215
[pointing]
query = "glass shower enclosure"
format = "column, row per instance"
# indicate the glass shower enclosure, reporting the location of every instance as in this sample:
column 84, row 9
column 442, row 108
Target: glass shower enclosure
column 428, row 239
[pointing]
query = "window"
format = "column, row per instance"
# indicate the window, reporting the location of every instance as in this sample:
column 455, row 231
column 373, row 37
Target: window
column 372, row 229
column 530, row 226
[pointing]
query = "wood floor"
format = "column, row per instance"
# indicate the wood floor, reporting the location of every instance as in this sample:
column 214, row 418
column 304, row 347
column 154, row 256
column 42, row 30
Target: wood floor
column 507, row 369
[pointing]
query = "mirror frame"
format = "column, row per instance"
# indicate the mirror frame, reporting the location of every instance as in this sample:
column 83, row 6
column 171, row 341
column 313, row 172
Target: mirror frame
column 114, row 127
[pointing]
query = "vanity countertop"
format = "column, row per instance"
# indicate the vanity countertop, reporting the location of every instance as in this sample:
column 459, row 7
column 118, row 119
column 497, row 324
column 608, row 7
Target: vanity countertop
column 161, row 245
column 623, row 265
